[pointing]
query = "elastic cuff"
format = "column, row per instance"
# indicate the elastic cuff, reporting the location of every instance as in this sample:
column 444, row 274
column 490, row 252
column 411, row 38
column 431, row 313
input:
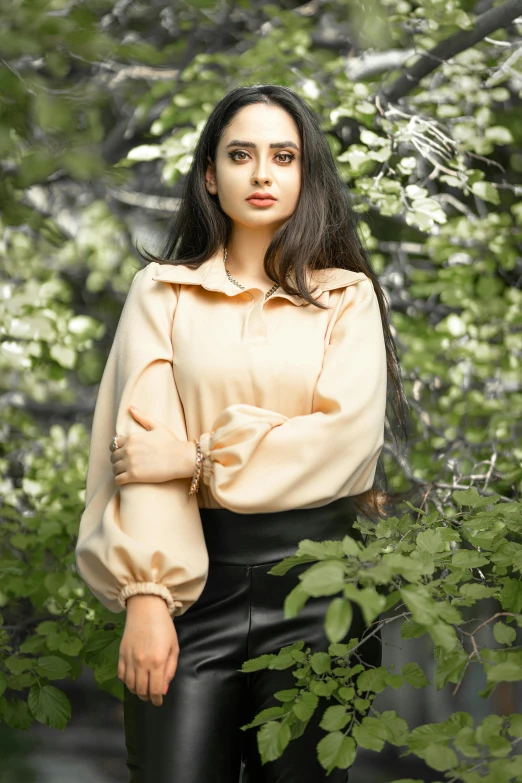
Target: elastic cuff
column 206, row 467
column 149, row 588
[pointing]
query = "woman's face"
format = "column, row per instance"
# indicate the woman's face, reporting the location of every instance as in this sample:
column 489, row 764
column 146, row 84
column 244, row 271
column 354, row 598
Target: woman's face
column 246, row 163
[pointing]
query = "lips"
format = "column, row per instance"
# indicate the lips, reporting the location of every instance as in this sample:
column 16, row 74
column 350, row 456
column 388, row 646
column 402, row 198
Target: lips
column 260, row 197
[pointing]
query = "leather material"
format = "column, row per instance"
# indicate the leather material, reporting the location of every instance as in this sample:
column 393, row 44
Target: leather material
column 195, row 736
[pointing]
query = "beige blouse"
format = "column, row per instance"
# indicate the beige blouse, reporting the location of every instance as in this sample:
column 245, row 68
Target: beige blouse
column 288, row 402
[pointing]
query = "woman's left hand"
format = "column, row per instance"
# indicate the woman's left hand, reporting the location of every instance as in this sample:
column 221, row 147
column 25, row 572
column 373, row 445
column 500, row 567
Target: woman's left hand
column 152, row 455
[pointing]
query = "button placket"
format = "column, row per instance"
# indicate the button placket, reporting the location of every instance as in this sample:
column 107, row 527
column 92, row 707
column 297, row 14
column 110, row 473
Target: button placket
column 256, row 327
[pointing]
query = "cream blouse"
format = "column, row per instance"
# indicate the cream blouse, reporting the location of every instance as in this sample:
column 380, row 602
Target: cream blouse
column 288, row 402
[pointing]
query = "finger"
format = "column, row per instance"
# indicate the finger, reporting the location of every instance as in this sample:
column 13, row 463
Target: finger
column 144, row 419
column 117, row 456
column 119, row 467
column 170, row 670
column 130, row 679
column 121, row 669
column 142, row 684
column 120, row 440
column 156, row 684
column 122, row 478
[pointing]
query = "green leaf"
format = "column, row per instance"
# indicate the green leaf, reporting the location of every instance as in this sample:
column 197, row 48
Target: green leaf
column 506, row 553
column 489, row 727
column 471, row 497
column 32, row 644
column 423, row 737
column 287, row 695
column 370, row 601
column 281, row 568
column 272, row 739
column 466, row 558
column 19, row 682
column 443, row 635
column 16, row 714
column 515, row 725
column 362, row 705
column 504, row 634
column 440, row 757
column 18, row 664
column 266, row 715
column 414, row 675
column 421, row 604
column 255, row 664
column 466, row 743
column 324, row 578
column 395, row 681
column 499, row 746
column 305, row 707
column 319, row 550
column 102, row 647
column 351, row 547
column 47, row 627
column 477, row 591
column 335, row 718
column 49, row 705
column 431, row 541
column 373, row 680
column 324, row 687
column 511, row 594
column 53, row 667
column 295, row 601
column 450, row 668
column 145, row 152
column 336, row 751
column 412, row 630
column 71, row 647
column 346, row 693
column 371, row 734
column 510, row 671
column 486, row 191
column 338, row 650
column 338, row 619
column 397, row 730
column 320, row 662
column 282, row 661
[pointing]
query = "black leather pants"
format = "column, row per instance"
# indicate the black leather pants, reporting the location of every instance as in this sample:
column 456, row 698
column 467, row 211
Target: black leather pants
column 195, row 736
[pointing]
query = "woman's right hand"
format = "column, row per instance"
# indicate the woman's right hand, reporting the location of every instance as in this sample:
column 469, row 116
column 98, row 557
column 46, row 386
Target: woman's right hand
column 149, row 648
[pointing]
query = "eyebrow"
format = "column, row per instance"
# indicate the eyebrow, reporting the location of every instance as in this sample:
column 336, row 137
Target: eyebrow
column 275, row 145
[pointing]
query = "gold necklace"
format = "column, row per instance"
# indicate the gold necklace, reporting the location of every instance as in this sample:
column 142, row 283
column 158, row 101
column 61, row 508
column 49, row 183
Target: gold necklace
column 233, row 280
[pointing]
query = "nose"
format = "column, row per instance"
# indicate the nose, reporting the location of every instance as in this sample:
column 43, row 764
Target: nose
column 261, row 174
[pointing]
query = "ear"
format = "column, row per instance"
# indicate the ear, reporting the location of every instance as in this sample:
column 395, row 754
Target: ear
column 210, row 177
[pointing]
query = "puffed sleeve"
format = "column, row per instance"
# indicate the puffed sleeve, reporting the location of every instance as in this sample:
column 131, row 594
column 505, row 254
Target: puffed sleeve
column 139, row 537
column 257, row 460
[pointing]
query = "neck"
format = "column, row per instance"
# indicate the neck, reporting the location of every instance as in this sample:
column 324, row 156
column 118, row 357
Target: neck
column 246, row 251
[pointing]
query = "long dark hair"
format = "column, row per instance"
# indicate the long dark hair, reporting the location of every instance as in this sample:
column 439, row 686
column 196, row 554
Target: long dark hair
column 321, row 233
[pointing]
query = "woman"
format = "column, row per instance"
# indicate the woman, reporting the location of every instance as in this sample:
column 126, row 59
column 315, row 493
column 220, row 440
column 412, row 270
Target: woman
column 259, row 422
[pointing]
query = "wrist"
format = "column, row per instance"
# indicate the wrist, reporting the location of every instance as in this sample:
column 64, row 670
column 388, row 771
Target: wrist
column 134, row 602
column 191, row 453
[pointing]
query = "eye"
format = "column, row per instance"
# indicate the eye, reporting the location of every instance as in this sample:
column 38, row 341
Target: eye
column 289, row 155
column 236, row 152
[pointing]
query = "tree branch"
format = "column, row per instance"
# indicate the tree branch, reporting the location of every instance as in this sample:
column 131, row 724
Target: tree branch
column 485, row 24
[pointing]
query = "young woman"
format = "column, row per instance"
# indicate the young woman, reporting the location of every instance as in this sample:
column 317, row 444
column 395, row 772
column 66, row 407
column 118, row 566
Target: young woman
column 259, row 422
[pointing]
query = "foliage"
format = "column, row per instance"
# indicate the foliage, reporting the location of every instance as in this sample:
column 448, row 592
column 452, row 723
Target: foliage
column 433, row 574
column 100, row 107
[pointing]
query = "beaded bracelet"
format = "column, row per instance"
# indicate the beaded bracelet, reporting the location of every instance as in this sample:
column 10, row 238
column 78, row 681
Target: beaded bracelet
column 197, row 471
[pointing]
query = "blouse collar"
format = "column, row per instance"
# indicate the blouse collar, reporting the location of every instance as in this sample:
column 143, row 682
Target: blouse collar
column 212, row 276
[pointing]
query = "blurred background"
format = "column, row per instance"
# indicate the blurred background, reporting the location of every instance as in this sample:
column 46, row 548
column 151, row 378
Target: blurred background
column 101, row 104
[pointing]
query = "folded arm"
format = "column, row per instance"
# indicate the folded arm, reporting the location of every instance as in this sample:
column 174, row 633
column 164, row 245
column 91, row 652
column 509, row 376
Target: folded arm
column 139, row 537
column 257, row 460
